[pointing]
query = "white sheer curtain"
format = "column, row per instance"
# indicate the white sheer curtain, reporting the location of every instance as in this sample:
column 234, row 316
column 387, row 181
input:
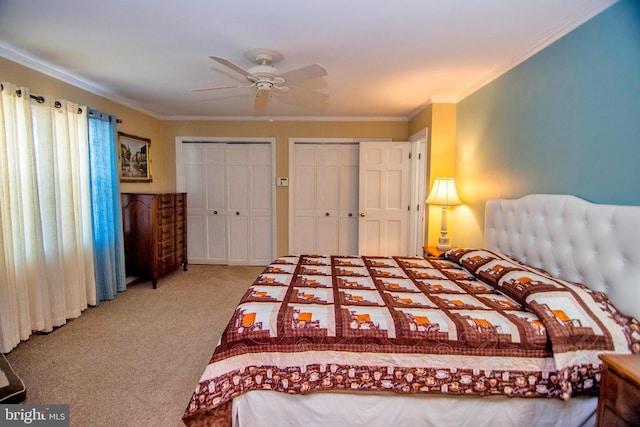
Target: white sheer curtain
column 46, row 253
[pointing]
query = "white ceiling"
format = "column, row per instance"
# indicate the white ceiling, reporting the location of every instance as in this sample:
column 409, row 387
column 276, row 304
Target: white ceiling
column 384, row 59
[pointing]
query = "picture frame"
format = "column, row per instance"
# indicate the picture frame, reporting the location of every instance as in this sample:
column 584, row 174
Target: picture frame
column 135, row 158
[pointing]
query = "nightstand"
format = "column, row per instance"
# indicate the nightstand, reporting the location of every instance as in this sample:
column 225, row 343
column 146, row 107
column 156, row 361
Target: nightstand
column 619, row 400
column 433, row 251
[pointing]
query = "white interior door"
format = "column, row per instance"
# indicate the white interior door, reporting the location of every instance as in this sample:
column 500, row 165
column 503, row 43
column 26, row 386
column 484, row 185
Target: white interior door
column 384, row 198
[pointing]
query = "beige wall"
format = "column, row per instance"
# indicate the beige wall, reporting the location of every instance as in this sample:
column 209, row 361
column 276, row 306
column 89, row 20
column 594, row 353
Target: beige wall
column 439, row 119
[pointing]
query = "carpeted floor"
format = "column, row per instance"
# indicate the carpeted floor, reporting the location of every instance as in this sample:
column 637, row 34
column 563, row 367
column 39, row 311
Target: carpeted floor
column 135, row 360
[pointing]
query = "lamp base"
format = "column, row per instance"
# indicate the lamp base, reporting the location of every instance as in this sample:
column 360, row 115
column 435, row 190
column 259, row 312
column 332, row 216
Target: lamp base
column 443, row 243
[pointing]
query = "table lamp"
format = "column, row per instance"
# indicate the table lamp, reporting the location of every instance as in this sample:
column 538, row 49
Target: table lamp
column 444, row 194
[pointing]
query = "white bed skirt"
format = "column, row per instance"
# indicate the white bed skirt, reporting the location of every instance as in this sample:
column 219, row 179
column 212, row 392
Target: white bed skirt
column 265, row 408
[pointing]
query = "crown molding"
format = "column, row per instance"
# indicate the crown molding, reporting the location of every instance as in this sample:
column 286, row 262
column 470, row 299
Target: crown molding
column 432, row 100
column 291, row 118
column 66, row 77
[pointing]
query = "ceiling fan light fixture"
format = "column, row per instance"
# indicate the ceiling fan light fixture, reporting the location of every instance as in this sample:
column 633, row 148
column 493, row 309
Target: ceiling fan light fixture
column 264, row 86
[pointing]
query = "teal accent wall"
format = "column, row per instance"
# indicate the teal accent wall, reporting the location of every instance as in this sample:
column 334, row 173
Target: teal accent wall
column 567, row 120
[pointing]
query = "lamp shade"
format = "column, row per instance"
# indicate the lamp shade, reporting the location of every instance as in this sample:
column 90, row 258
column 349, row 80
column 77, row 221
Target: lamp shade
column 444, row 193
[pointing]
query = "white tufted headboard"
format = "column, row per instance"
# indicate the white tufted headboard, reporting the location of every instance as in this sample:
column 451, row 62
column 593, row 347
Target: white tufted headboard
column 572, row 239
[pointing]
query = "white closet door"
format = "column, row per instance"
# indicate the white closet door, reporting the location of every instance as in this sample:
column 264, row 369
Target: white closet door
column 192, row 155
column 237, row 165
column 205, row 184
column 260, row 208
column 348, row 187
column 384, row 196
column 229, row 211
column 325, row 199
column 216, row 204
column 305, row 177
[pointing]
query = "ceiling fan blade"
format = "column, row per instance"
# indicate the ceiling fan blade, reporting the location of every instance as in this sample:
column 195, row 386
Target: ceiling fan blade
column 305, row 98
column 235, row 67
column 312, row 71
column 221, row 87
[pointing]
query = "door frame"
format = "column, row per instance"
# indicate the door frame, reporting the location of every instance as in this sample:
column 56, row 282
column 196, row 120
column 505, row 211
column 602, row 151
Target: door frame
column 419, row 176
column 180, row 178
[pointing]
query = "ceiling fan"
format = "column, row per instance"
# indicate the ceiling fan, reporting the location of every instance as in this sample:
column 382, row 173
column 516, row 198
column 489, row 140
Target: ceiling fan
column 266, row 78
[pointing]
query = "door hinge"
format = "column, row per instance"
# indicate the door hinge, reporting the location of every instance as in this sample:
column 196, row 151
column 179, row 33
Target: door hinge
column 418, row 208
column 419, row 156
column 409, row 155
column 409, row 208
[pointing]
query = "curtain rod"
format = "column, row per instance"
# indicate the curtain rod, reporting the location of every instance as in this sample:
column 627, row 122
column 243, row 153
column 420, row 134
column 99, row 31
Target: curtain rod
column 40, row 99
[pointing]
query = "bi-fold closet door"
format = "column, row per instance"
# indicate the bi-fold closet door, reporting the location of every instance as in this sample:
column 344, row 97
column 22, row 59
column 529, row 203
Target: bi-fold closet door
column 325, row 212
column 229, row 212
column 356, row 198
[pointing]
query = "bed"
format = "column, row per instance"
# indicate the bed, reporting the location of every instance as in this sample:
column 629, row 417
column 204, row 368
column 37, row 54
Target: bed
column 507, row 334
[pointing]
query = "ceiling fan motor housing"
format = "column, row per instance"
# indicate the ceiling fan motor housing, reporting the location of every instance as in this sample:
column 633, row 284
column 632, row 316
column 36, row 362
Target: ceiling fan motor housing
column 264, row 86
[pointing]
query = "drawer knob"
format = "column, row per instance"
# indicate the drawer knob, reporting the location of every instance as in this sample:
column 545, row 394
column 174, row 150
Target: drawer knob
column 215, row 212
column 237, row 213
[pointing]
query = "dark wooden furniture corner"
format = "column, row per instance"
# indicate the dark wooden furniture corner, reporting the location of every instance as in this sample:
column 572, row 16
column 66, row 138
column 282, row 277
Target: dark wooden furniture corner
column 155, row 234
column 619, row 401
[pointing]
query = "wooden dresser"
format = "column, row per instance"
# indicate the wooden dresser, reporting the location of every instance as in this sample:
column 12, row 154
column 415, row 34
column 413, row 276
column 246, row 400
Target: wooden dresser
column 155, row 234
column 619, row 400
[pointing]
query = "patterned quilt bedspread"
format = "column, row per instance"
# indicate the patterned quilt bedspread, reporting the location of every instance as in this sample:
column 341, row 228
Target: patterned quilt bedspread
column 474, row 322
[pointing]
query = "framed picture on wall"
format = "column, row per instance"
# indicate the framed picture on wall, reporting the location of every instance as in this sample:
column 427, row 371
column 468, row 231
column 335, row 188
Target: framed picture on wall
column 135, row 158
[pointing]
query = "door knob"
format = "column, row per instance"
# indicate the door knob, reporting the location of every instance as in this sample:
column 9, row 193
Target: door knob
column 237, row 213
column 362, row 214
column 327, row 214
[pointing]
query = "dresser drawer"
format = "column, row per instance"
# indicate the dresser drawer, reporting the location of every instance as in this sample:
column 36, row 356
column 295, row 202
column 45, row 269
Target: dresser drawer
column 166, row 231
column 619, row 401
column 167, row 263
column 180, row 240
column 180, row 257
column 180, row 200
column 166, row 216
column 165, row 248
column 180, row 228
column 622, row 396
column 166, row 201
column 180, row 214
